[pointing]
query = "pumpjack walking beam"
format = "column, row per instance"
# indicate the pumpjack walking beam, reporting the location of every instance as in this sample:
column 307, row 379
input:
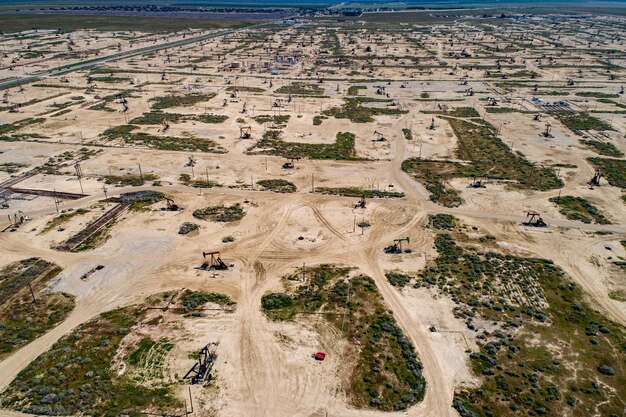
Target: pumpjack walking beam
column 291, row 162
column 595, row 180
column 201, row 370
column 396, row 247
column 215, row 261
column 245, row 132
column 534, row 219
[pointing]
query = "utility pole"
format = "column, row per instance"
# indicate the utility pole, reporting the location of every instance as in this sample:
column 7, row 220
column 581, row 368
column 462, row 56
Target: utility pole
column 190, row 402
column 312, row 183
column 32, row 292
column 79, row 175
column 56, row 201
column 104, row 188
column 140, row 174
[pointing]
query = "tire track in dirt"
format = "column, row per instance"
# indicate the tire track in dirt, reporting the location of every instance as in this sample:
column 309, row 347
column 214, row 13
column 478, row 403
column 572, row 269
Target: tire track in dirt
column 320, row 217
column 266, row 378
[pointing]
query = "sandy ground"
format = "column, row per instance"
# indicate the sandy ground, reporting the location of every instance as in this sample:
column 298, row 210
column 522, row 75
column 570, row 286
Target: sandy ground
column 264, row 368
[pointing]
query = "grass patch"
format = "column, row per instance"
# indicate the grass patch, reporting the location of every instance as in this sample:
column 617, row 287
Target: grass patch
column 13, row 127
column 353, row 90
column 160, row 103
column 397, row 279
column 134, row 180
column 301, row 89
column 62, row 218
column 488, row 284
column 577, row 208
column 441, row 221
column 465, row 112
column 583, row 122
column 503, row 110
column 18, row 275
column 194, row 300
column 618, row 295
column 356, row 112
column 358, row 192
column 386, row 374
column 102, row 107
column 602, row 148
column 220, row 213
column 549, row 353
column 523, row 376
column 147, row 361
column 75, row 375
column 277, row 120
column 596, row 94
column 487, row 156
column 109, row 79
column 245, row 89
column 21, row 319
column 189, row 143
column 614, row 170
column 186, row 180
column 277, row 186
column 272, row 144
column 111, row 98
column 11, row 167
column 156, row 118
column 457, row 112
column 141, row 200
column 187, row 228
column 408, row 135
column 317, row 120
column 61, row 113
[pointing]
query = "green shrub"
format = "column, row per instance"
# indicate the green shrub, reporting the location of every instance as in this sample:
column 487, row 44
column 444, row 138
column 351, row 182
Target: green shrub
column 577, row 208
column 357, row 113
column 193, row 300
column 277, row 186
column 358, row 192
column 220, row 213
column 187, row 228
column 398, row 280
column 160, row 103
column 353, row 90
column 301, row 89
column 602, row 148
column 583, row 122
column 442, row 221
column 408, row 135
column 272, row 144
